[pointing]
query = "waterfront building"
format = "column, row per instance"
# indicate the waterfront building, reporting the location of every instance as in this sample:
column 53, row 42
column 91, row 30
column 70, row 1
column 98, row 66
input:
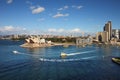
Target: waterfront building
column 83, row 41
column 113, row 41
column 102, row 36
column 37, row 39
column 106, row 35
column 42, row 41
column 108, row 28
column 15, row 36
column 80, row 41
column 116, row 33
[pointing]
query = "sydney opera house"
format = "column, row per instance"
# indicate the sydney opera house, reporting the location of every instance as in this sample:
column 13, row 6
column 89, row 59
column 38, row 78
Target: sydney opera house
column 36, row 42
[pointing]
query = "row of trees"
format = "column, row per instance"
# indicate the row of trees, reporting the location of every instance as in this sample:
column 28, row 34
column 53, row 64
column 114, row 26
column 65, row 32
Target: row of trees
column 62, row 40
column 54, row 39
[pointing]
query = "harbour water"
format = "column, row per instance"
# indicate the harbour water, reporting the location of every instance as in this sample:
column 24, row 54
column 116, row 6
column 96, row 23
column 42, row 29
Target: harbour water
column 82, row 63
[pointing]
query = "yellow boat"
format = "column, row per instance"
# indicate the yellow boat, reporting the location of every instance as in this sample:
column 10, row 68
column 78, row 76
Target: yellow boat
column 63, row 55
column 116, row 60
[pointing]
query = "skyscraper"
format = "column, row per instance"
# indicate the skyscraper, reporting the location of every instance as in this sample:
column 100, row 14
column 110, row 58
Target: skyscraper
column 108, row 28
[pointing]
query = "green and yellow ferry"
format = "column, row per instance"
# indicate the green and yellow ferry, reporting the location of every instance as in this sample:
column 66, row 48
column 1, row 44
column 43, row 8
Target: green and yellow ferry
column 116, row 60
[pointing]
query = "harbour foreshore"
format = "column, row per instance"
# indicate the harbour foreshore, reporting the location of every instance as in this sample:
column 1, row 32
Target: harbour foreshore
column 34, row 45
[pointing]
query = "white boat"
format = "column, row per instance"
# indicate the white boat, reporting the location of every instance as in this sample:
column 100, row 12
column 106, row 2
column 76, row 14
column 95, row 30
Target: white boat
column 41, row 59
column 15, row 52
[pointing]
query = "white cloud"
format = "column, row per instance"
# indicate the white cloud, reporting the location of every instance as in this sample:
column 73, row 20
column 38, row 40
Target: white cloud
column 60, row 15
column 55, row 30
column 61, row 31
column 73, row 6
column 9, row 1
column 77, row 7
column 76, row 30
column 12, row 30
column 7, row 28
column 37, row 10
column 66, row 7
column 52, row 30
column 63, row 8
column 60, row 9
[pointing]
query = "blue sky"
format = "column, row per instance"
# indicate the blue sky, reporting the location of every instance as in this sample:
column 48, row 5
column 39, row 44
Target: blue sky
column 57, row 16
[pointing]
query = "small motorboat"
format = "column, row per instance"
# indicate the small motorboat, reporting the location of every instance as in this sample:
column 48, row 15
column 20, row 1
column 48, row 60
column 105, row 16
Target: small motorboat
column 116, row 60
column 41, row 59
column 15, row 52
column 63, row 55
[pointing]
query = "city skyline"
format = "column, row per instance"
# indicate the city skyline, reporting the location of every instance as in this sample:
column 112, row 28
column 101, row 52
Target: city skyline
column 57, row 16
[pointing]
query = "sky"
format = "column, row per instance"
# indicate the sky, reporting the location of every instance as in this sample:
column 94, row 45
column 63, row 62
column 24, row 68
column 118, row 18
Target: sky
column 58, row 17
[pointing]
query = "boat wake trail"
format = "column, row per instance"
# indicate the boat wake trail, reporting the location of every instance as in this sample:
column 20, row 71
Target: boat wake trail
column 66, row 60
column 59, row 60
column 89, row 57
column 71, row 54
column 17, row 52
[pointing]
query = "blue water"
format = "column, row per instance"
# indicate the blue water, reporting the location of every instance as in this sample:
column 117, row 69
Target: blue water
column 88, row 63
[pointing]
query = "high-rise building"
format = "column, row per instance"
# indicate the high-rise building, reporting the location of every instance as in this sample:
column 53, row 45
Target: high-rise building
column 108, row 28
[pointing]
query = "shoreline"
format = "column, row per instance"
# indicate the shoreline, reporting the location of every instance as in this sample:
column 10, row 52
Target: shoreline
column 37, row 45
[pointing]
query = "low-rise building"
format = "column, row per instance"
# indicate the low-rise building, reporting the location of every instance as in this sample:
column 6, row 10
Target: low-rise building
column 83, row 41
column 102, row 36
column 116, row 33
column 37, row 40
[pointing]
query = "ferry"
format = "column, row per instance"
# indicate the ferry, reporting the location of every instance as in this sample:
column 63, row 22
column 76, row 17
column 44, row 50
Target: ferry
column 116, row 60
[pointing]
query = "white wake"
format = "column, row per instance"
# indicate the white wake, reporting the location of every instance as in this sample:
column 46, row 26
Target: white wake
column 71, row 54
column 17, row 52
column 66, row 60
column 60, row 60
